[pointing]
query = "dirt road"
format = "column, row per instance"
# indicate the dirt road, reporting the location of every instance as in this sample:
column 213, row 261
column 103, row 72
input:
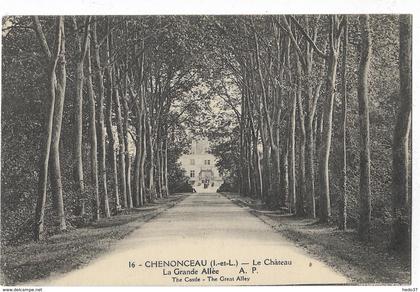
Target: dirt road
column 203, row 240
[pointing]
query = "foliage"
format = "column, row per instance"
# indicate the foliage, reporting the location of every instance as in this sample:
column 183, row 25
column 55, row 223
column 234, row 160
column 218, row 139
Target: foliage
column 224, row 77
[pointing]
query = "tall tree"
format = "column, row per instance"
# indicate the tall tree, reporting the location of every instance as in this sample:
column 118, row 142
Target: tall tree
column 292, row 154
column 101, row 111
column 342, row 224
column 56, row 85
column 363, row 99
column 121, row 141
column 109, row 114
column 400, row 151
column 300, row 198
column 93, row 136
column 81, row 49
column 335, row 27
column 270, row 125
column 55, row 169
column 128, row 199
column 305, row 61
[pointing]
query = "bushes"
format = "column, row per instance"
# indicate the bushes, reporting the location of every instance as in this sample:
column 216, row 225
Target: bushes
column 227, row 187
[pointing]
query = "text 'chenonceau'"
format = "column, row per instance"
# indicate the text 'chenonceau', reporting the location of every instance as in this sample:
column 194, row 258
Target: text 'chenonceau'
column 210, row 270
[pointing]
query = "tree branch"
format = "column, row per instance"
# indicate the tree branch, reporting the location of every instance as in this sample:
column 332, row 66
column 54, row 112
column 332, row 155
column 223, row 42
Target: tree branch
column 41, row 37
column 292, row 37
column 308, row 38
column 85, row 37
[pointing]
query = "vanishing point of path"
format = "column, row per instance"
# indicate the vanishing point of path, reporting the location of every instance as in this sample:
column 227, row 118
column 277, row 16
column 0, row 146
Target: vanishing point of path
column 208, row 228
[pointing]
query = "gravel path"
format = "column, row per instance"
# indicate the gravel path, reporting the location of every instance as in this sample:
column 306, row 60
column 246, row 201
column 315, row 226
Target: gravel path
column 204, row 240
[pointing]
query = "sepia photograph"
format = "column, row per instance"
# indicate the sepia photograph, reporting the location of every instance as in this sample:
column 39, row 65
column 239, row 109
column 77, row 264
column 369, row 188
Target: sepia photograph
column 206, row 150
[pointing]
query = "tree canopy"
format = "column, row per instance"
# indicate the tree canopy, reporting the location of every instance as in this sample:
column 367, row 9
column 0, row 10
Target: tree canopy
column 96, row 111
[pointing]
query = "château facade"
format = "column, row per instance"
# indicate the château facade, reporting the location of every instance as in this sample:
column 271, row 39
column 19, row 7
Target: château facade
column 200, row 167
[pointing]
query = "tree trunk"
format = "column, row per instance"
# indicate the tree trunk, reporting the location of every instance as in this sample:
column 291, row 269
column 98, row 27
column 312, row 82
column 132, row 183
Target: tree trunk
column 318, row 149
column 93, row 138
column 363, row 99
column 159, row 163
column 44, row 163
column 151, row 186
column 292, row 156
column 300, row 199
column 111, row 139
column 108, row 121
column 143, row 160
column 128, row 181
column 242, row 190
column 162, row 169
column 121, row 147
column 325, row 204
column 311, row 208
column 325, row 201
column 311, row 102
column 401, row 227
column 284, row 181
column 253, row 169
column 139, row 140
column 248, row 164
column 78, row 111
column 275, row 182
column 266, row 169
column 342, row 224
column 258, row 173
column 102, row 131
column 78, row 134
column 165, row 161
column 127, row 200
column 55, row 171
column 310, row 145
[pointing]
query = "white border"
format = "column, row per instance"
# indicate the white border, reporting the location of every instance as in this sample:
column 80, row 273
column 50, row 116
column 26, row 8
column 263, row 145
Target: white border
column 154, row 7
column 134, row 7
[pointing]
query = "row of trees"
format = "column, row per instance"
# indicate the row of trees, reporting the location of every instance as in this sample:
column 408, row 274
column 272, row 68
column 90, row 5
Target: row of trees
column 122, row 75
column 304, row 124
column 291, row 72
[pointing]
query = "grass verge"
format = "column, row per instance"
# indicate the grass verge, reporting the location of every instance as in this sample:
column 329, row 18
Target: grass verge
column 73, row 249
column 361, row 262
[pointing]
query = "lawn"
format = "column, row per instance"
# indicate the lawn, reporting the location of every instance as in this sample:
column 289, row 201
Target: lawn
column 361, row 262
column 66, row 251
